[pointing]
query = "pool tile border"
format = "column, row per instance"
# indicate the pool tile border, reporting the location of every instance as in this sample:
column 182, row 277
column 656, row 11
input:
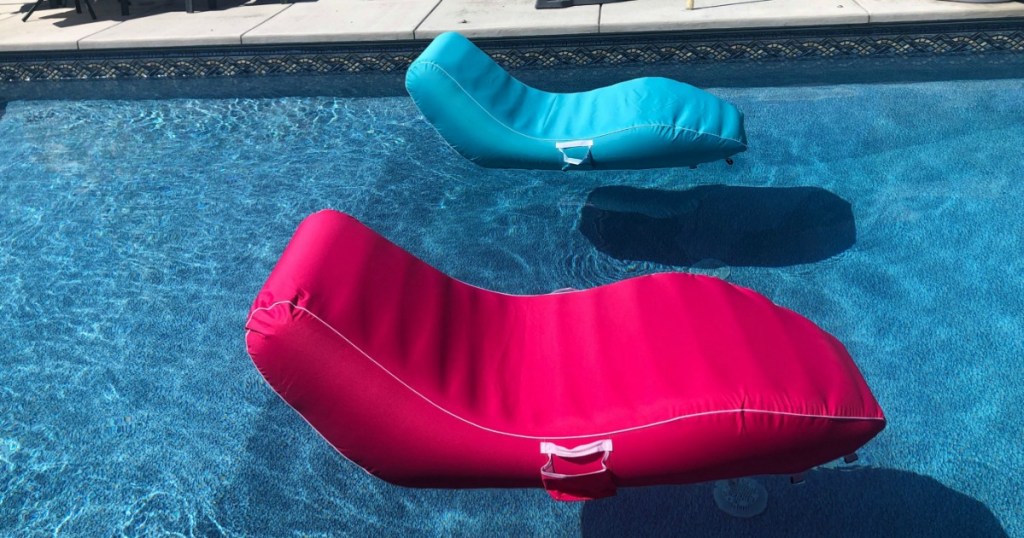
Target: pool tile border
column 902, row 40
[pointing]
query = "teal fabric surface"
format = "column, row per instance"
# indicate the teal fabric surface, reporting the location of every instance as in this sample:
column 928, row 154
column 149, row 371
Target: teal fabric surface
column 496, row 121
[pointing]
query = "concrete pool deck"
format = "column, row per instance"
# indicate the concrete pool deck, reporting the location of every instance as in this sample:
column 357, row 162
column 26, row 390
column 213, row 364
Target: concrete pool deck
column 164, row 23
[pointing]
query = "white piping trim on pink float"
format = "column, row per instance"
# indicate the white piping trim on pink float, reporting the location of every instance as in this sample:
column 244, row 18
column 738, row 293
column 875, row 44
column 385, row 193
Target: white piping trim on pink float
column 314, row 428
column 540, row 437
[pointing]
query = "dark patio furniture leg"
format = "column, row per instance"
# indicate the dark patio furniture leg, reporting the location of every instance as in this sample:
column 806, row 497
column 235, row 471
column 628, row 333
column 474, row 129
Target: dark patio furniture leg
column 124, row 8
column 56, row 4
column 88, row 4
column 34, row 6
column 188, row 7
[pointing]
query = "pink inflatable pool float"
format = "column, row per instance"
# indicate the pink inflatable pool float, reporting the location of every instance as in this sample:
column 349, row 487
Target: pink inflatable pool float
column 427, row 381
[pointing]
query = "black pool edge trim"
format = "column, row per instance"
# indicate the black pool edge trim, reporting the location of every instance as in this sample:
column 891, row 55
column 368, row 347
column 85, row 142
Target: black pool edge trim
column 889, row 40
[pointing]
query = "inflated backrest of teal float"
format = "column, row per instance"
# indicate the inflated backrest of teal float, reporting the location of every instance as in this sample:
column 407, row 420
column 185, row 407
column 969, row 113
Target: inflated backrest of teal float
column 496, row 121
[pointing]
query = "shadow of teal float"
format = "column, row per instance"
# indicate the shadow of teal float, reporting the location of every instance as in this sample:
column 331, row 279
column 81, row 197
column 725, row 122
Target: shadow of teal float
column 496, row 121
column 738, row 226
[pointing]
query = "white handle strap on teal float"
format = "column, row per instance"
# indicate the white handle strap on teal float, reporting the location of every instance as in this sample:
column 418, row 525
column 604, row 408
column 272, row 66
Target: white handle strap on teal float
column 572, row 161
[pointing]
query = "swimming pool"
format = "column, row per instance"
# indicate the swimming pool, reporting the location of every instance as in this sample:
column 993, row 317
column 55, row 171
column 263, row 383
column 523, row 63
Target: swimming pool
column 134, row 234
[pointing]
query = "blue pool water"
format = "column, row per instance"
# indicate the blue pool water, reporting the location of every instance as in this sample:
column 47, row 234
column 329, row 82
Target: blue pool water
column 134, row 235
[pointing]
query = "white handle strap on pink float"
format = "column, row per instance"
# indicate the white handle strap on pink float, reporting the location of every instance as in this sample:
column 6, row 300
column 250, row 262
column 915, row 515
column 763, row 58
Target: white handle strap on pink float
column 580, row 486
column 551, row 450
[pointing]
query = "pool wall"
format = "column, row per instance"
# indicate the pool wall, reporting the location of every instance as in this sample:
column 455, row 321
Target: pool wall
column 863, row 53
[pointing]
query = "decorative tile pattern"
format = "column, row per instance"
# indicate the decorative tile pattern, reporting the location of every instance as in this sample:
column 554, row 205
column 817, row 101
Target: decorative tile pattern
column 891, row 41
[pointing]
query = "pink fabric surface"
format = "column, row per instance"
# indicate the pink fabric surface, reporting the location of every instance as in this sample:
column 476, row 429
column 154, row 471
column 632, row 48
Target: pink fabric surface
column 424, row 380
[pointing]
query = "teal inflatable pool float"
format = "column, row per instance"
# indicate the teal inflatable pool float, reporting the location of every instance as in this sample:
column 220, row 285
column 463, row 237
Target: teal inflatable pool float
column 496, row 121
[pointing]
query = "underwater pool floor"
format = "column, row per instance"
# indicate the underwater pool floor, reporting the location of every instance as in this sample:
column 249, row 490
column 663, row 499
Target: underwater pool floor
column 134, row 235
